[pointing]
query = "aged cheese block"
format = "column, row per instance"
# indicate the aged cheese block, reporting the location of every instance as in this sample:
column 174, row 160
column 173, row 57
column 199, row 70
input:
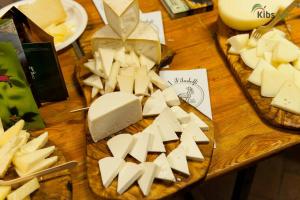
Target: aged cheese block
column 122, row 15
column 106, row 114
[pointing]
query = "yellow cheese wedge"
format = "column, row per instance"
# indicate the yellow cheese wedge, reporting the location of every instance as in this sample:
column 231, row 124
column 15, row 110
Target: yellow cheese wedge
column 269, row 87
column 286, row 52
column 11, row 132
column 111, row 83
column 250, row 58
column 60, row 32
column 45, row 12
column 25, row 190
column 256, row 76
column 34, row 144
column 126, row 83
column 4, row 191
column 239, row 42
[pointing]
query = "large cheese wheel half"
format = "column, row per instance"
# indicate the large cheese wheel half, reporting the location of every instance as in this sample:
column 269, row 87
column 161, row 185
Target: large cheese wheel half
column 246, row 15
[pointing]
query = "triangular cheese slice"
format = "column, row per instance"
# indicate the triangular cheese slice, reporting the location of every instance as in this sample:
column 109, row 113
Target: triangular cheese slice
column 168, row 114
column 155, row 104
column 12, row 132
column 93, row 81
column 128, row 175
column 34, row 144
column 91, row 66
column 98, row 62
column 163, row 171
column 256, row 75
column 140, row 148
column 192, row 131
column 107, row 57
column 269, row 87
column 156, row 80
column 95, row 91
column 135, row 62
column 120, row 56
column 146, row 180
column 177, row 160
column 171, row 97
column 120, row 145
column 181, row 115
column 287, row 70
column 191, row 149
column 155, row 143
column 201, row 124
column 165, row 128
column 109, row 169
column 146, row 62
column 126, row 83
column 288, row 98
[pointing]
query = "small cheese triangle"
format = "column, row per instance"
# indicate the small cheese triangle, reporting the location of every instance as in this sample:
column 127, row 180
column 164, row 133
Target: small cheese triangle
column 95, row 91
column 156, row 80
column 120, row 56
column 155, row 104
column 128, row 175
column 11, row 132
column 155, row 143
column 126, row 83
column 168, row 114
column 146, row 180
column 93, row 81
column 177, row 160
column 256, row 75
column 98, row 62
column 288, row 98
column 171, row 97
column 287, row 71
column 163, row 171
column 109, row 169
column 140, row 148
column 120, row 145
column 181, row 115
column 34, row 144
column 146, row 62
column 107, row 57
column 192, row 131
column 166, row 130
column 191, row 149
column 91, row 65
column 201, row 124
column 269, row 87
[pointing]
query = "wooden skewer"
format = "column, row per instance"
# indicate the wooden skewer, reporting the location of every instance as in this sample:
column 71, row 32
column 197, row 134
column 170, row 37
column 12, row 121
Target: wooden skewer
column 67, row 165
column 80, row 109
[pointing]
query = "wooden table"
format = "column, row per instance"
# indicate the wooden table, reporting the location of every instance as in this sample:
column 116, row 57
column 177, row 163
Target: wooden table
column 241, row 137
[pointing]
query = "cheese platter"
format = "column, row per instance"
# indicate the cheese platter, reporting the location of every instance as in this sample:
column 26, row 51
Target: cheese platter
column 23, row 154
column 141, row 138
column 266, row 69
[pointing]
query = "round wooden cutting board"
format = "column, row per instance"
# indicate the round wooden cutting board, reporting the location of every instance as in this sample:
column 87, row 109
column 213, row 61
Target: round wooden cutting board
column 56, row 186
column 273, row 116
column 159, row 189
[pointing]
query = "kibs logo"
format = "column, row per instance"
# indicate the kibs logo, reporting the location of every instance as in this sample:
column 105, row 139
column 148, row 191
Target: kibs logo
column 261, row 11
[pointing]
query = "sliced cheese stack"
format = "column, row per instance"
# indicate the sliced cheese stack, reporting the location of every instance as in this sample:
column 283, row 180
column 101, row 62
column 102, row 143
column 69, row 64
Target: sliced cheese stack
column 275, row 64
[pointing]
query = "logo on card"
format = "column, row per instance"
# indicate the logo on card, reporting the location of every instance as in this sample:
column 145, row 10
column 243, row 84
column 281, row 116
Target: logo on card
column 261, row 11
column 191, row 91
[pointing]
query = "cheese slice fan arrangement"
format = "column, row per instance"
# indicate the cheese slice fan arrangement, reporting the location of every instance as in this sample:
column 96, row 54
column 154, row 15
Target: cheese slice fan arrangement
column 267, row 68
column 142, row 137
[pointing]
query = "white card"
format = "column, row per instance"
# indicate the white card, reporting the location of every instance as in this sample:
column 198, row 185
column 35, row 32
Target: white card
column 154, row 17
column 191, row 86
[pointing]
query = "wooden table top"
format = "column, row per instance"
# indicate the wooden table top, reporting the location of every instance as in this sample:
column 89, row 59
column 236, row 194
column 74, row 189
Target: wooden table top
column 241, row 137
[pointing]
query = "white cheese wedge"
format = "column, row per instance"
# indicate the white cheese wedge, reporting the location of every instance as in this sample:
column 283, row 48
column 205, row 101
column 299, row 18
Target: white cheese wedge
column 43, row 164
column 129, row 173
column 157, row 81
column 256, row 76
column 140, row 148
column 146, row 62
column 120, row 56
column 120, row 145
column 11, row 132
column 165, row 128
column 151, row 88
column 141, row 85
column 232, row 50
column 109, row 169
column 177, row 160
column 146, row 180
column 239, row 42
column 98, row 62
column 191, row 149
column 288, row 98
column 192, row 131
column 106, row 38
column 123, row 16
column 128, row 71
column 287, row 70
column 181, row 115
column 111, row 83
column 155, row 104
column 297, row 78
column 250, row 58
column 200, row 123
column 25, row 190
column 266, row 45
column 1, row 128
column 93, row 81
column 268, row 57
column 270, row 87
column 171, row 97
column 106, row 114
column 286, row 52
column 171, row 118
column 155, row 142
column 107, row 57
column 239, row 15
column 91, row 66
column 163, row 171
column 34, row 144
column 4, row 191
column 145, row 41
column 26, row 161
column 126, row 83
column 95, row 91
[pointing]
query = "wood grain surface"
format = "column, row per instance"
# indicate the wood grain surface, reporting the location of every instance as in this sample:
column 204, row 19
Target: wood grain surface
column 99, row 150
column 262, row 105
column 57, row 185
column 241, row 137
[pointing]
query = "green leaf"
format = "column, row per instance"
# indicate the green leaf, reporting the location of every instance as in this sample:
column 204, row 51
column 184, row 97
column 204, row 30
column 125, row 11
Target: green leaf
column 17, row 83
column 28, row 117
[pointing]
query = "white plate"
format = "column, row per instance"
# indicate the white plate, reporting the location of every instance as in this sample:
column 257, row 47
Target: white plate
column 77, row 18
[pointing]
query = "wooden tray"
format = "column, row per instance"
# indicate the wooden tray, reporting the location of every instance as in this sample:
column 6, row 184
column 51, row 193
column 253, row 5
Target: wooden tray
column 159, row 189
column 54, row 186
column 273, row 116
